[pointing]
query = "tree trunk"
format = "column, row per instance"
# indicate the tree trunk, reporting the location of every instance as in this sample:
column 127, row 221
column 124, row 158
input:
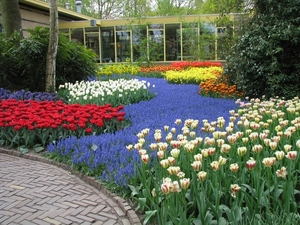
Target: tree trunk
column 11, row 17
column 52, row 48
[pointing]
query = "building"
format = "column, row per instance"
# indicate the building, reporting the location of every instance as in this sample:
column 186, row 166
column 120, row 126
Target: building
column 155, row 39
column 36, row 13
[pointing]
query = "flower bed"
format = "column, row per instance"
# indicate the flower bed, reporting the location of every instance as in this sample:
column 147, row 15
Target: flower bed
column 193, row 75
column 188, row 155
column 114, row 92
column 243, row 171
column 33, row 124
column 218, row 89
column 27, row 95
column 118, row 69
column 109, row 150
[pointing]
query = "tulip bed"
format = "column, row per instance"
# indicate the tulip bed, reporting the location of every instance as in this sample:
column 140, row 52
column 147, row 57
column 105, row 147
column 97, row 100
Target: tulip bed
column 206, row 74
column 192, row 159
column 34, row 124
column 243, row 171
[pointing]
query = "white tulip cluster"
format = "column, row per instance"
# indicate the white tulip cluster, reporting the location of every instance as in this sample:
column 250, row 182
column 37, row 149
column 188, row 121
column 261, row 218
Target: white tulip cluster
column 103, row 90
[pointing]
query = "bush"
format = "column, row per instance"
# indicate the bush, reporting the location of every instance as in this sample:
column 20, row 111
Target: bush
column 266, row 60
column 25, row 61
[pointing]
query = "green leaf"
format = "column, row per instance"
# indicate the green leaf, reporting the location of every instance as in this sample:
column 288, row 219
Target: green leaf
column 23, row 150
column 2, row 142
column 149, row 214
column 222, row 221
column 94, row 147
column 197, row 221
column 134, row 190
column 38, row 149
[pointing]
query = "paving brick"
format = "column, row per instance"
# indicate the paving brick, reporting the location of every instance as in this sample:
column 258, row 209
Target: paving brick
column 41, row 222
column 86, row 218
column 26, row 222
column 3, row 218
column 11, row 219
column 98, row 208
column 75, row 219
column 98, row 217
column 110, row 222
column 70, row 204
column 33, row 193
column 126, row 222
column 108, row 215
column 77, row 211
column 23, row 217
column 35, row 215
column 52, row 221
column 63, row 220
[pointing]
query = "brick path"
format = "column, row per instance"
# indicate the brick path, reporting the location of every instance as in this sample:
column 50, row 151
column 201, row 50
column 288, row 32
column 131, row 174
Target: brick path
column 34, row 192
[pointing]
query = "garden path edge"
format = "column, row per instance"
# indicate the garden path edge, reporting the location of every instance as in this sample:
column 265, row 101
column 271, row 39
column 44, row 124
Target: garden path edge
column 122, row 203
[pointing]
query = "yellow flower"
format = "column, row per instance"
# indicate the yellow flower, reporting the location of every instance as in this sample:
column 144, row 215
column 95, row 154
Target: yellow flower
column 279, row 155
column 291, row 155
column 215, row 165
column 175, row 152
column 164, row 163
column 171, row 160
column 242, row 151
column 281, row 173
column 273, row 145
column 222, row 160
column 250, row 164
column 185, row 183
column 145, row 158
column 173, row 170
column 287, row 147
column 225, row 148
column 257, row 148
column 202, row 175
column 269, row 161
column 234, row 167
column 198, row 157
column 196, row 165
column 235, row 188
column 129, row 147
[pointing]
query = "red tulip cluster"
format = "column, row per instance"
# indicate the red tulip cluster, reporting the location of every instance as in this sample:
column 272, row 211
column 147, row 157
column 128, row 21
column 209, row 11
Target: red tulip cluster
column 186, row 64
column 34, row 115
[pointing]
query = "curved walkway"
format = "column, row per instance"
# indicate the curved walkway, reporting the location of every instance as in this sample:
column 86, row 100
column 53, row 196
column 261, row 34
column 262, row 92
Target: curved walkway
column 32, row 191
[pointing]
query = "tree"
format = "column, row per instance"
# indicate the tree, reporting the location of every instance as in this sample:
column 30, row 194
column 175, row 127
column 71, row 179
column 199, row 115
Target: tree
column 266, row 60
column 11, row 17
column 52, row 48
column 222, row 6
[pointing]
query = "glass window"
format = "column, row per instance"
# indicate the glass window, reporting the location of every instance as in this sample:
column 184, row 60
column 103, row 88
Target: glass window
column 139, row 44
column 122, row 28
column 77, row 35
column 107, row 45
column 189, row 44
column 156, row 26
column 92, row 42
column 156, row 45
column 207, row 41
column 123, row 46
column 172, row 42
column 92, row 29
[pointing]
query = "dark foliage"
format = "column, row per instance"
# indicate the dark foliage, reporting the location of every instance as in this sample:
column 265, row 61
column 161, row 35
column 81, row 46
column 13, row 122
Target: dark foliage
column 23, row 62
column 266, row 59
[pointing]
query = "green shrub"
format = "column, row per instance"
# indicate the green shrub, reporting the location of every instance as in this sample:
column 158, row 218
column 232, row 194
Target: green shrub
column 266, row 59
column 23, row 62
